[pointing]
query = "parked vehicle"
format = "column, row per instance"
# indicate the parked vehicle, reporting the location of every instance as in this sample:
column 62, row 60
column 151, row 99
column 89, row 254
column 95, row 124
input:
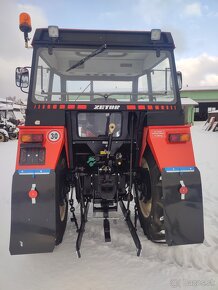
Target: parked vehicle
column 104, row 120
column 10, row 128
column 3, row 135
column 19, row 116
column 12, row 113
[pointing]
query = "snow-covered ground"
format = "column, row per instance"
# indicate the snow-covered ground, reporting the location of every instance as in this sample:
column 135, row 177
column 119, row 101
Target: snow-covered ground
column 115, row 265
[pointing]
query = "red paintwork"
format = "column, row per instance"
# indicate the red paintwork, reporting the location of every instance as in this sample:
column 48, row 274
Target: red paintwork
column 144, row 143
column 53, row 148
column 167, row 154
column 81, row 107
column 131, row 107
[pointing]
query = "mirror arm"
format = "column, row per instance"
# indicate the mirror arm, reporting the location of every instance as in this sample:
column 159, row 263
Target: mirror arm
column 24, row 91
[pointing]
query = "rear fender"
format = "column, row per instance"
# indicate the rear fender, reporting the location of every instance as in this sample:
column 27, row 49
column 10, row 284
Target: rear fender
column 183, row 216
column 53, row 147
column 168, row 154
column 33, row 222
column 33, row 225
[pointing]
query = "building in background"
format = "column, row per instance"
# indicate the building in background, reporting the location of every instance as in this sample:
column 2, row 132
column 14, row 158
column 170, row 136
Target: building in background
column 206, row 97
column 189, row 107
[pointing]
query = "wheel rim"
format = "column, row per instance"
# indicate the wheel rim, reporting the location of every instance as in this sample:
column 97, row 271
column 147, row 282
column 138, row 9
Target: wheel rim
column 62, row 210
column 1, row 138
column 145, row 207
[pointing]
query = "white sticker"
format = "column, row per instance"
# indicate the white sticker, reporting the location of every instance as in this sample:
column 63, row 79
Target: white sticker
column 37, row 122
column 158, row 133
column 54, row 136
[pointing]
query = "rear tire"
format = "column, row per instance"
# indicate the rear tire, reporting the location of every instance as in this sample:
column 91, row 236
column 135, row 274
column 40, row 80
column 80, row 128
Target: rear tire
column 61, row 199
column 3, row 137
column 61, row 221
column 13, row 137
column 149, row 199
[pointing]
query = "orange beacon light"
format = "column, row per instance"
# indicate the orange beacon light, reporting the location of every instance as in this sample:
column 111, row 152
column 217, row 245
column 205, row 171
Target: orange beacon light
column 25, row 26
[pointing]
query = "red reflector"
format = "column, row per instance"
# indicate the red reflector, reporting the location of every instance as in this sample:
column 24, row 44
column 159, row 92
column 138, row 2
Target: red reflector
column 131, row 107
column 183, row 190
column 179, row 138
column 70, row 107
column 33, row 193
column 173, row 138
column 141, row 107
column 29, row 138
column 82, row 107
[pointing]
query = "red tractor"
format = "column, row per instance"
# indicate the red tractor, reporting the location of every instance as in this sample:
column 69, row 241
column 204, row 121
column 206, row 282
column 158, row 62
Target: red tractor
column 104, row 125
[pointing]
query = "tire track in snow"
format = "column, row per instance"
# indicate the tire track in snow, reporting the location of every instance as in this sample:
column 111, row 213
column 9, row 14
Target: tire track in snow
column 190, row 257
column 211, row 263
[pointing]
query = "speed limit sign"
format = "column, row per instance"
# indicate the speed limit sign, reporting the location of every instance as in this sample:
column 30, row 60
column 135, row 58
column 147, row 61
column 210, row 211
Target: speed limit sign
column 54, row 136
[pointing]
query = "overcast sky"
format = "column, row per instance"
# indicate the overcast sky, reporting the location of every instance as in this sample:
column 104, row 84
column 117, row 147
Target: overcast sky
column 194, row 26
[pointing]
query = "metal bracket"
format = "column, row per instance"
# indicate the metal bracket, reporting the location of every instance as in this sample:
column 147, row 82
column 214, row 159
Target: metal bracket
column 81, row 230
column 131, row 227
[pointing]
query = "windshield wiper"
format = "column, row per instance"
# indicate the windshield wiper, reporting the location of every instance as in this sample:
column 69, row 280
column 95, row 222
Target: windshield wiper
column 83, row 60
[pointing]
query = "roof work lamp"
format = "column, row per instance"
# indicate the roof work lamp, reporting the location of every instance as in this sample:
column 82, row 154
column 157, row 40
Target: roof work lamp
column 155, row 34
column 53, row 31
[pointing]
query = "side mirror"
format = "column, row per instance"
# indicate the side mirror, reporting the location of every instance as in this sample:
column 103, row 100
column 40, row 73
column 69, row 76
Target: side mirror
column 179, row 79
column 22, row 77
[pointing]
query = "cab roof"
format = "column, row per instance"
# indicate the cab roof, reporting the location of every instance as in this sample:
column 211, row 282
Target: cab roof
column 113, row 38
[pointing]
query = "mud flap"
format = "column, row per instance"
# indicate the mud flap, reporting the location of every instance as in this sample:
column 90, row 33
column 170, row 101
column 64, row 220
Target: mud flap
column 183, row 214
column 33, row 222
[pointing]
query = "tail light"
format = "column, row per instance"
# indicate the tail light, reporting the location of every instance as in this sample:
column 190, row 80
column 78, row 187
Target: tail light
column 179, row 137
column 32, row 138
column 32, row 151
column 32, row 156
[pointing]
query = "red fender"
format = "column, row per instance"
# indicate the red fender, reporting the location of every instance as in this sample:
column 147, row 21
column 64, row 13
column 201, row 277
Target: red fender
column 53, row 147
column 168, row 154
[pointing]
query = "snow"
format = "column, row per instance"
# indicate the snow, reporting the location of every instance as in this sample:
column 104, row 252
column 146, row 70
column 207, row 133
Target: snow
column 114, row 265
column 188, row 101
